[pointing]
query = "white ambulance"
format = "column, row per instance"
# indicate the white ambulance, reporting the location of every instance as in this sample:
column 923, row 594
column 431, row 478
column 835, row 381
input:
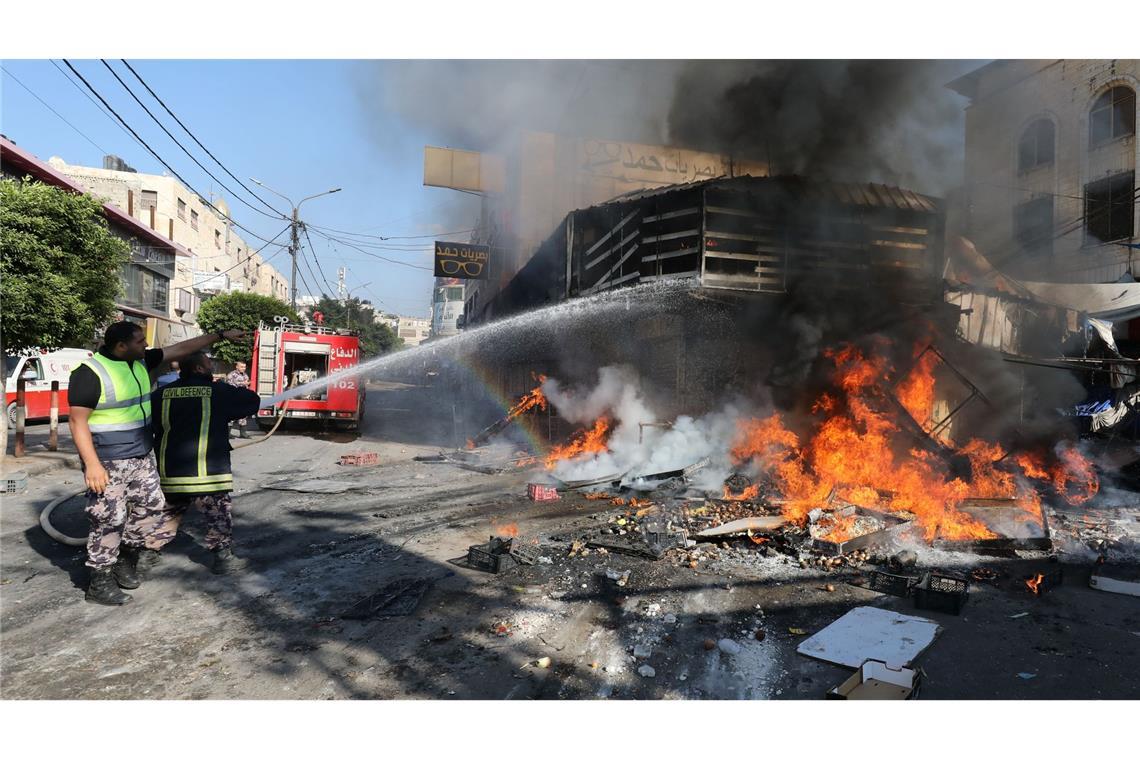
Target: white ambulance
column 39, row 370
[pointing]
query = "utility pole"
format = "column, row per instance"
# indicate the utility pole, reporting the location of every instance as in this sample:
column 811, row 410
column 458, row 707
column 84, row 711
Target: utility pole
column 294, row 241
column 294, row 244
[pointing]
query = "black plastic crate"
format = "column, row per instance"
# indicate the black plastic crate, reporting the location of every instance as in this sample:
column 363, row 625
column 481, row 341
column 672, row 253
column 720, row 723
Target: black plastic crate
column 888, row 583
column 941, row 593
column 494, row 556
column 524, row 553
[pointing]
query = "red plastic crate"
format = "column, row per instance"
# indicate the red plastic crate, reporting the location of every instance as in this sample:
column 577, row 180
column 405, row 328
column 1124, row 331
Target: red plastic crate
column 360, row 458
column 536, row 492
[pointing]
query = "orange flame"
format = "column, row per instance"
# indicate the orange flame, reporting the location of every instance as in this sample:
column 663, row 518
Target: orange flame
column 1072, row 475
column 592, row 441
column 1034, row 584
column 859, row 453
column 596, row 495
column 916, row 391
column 1078, row 471
column 751, row 493
column 535, row 398
column 507, row 530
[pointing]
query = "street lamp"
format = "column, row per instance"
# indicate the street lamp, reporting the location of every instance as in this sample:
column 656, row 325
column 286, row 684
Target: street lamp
column 294, row 243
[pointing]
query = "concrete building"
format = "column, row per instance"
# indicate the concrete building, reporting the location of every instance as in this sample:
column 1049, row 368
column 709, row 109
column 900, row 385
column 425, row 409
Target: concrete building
column 413, row 330
column 221, row 260
column 446, row 307
column 1050, row 177
column 543, row 177
column 148, row 292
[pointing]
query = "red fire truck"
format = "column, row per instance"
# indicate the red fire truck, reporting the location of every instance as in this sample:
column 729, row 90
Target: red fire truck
column 288, row 357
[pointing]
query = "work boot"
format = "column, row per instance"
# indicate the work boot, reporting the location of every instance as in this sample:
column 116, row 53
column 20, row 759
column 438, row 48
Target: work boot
column 225, row 562
column 102, row 588
column 125, row 570
column 147, row 560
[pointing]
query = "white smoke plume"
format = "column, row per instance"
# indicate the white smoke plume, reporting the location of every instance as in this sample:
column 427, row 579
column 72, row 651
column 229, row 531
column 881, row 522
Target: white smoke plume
column 635, row 450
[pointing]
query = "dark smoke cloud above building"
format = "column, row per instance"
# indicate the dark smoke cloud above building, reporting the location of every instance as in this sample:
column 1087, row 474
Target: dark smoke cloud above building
column 883, row 121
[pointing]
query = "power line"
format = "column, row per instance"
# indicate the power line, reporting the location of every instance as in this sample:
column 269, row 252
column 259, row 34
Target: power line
column 313, row 250
column 396, row 237
column 253, row 253
column 158, row 157
column 376, row 255
column 305, row 261
column 181, row 146
column 186, row 129
column 57, row 113
column 376, row 246
column 94, row 102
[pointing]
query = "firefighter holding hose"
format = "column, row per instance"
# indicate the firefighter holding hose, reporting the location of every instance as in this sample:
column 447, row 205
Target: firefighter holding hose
column 192, row 419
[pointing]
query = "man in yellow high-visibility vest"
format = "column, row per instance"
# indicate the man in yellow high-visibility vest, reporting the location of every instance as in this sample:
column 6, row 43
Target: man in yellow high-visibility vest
column 110, row 421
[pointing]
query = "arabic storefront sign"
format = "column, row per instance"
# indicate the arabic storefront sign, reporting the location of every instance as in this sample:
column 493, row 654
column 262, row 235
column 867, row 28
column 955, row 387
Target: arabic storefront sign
column 464, row 261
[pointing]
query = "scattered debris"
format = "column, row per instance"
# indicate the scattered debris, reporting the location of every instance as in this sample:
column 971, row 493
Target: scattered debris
column 359, row 459
column 315, row 485
column 1026, row 676
column 905, row 558
column 646, row 672
column 398, row 598
column 728, row 646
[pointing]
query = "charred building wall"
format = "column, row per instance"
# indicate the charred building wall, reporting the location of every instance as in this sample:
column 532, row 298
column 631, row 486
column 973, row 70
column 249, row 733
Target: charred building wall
column 778, row 267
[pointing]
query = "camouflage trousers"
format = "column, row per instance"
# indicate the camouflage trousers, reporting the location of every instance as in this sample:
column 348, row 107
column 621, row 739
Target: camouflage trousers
column 128, row 510
column 217, row 508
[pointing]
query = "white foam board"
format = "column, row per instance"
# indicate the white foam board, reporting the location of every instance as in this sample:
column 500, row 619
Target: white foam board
column 870, row 633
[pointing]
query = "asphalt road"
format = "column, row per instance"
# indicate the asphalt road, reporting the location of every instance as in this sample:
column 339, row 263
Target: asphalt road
column 280, row 628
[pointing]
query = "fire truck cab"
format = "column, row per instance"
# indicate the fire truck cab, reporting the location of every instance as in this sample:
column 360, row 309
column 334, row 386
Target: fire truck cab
column 288, row 356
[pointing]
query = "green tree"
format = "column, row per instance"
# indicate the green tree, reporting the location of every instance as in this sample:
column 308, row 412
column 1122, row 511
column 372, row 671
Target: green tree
column 240, row 311
column 59, row 266
column 375, row 339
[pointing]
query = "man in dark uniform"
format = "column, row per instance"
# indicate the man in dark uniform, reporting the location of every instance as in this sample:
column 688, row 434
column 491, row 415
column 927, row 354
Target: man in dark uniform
column 110, row 421
column 191, row 429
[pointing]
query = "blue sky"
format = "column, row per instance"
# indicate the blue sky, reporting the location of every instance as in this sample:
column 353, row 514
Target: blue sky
column 301, row 127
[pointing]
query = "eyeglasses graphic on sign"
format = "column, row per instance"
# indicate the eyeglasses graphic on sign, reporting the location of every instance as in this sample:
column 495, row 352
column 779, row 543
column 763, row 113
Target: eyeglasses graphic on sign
column 453, row 266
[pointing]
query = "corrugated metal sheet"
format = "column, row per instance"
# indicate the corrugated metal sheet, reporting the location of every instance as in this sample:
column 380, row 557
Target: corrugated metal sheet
column 850, row 194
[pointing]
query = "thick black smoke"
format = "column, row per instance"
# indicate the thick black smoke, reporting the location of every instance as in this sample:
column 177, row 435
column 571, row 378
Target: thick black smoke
column 883, row 121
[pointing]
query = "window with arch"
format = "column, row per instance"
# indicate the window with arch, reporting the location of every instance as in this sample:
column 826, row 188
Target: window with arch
column 1113, row 115
column 1035, row 148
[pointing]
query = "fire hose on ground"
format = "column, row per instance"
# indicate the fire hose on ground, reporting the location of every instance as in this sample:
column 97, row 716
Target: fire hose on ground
column 45, row 515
